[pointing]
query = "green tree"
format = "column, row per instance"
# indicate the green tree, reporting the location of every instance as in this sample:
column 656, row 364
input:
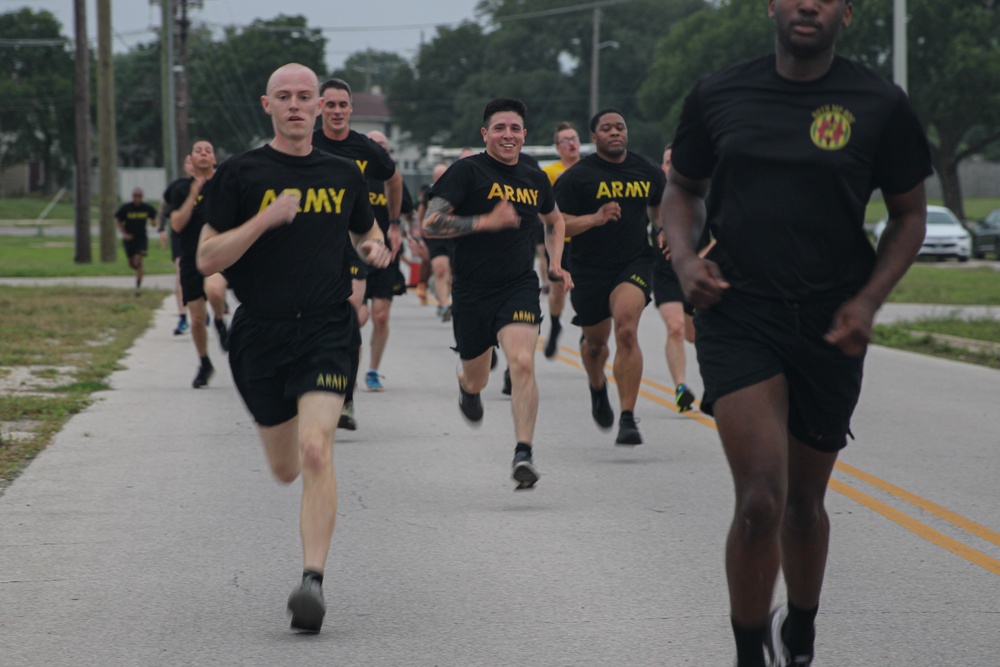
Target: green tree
column 36, row 94
column 369, row 68
column 540, row 52
column 138, row 112
column 954, row 65
column 227, row 77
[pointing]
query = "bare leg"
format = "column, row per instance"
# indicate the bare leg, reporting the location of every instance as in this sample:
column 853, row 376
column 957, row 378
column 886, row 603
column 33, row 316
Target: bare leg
column 627, row 304
column 199, row 332
column 380, row 330
column 518, row 342
column 753, row 427
column 594, row 352
column 673, row 317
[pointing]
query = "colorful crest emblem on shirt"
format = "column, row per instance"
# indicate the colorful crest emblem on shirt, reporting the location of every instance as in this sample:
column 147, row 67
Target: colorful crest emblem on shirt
column 831, row 127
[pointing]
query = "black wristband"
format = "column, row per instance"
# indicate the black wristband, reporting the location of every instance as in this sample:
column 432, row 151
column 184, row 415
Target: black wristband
column 394, row 222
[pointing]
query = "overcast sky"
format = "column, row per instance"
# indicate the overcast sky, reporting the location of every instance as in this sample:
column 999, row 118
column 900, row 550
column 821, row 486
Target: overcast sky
column 349, row 25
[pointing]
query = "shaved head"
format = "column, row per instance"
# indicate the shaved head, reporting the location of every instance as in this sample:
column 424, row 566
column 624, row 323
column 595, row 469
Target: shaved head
column 281, row 74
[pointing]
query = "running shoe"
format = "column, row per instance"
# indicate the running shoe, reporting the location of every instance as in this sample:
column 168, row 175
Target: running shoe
column 628, row 431
column 182, row 326
column 307, row 607
column 220, row 326
column 347, row 420
column 446, row 314
column 421, row 291
column 600, row 408
column 780, row 655
column 471, row 405
column 523, row 471
column 373, row 381
column 205, row 373
column 683, row 397
column 506, row 391
column 552, row 344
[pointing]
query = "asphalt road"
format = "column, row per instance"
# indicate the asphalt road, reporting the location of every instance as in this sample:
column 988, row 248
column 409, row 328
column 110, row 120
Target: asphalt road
column 151, row 532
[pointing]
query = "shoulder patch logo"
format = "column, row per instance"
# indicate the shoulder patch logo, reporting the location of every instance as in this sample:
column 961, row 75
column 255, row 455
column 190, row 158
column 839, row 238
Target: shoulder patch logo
column 831, row 127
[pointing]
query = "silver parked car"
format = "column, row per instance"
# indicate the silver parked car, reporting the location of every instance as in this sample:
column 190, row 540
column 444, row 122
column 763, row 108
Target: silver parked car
column 946, row 236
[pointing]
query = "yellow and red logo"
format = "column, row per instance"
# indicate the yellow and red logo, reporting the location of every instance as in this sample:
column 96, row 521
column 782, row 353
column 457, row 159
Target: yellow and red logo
column 831, row 127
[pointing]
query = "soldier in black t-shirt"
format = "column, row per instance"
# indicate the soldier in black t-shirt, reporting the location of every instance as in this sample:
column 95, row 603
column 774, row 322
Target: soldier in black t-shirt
column 677, row 315
column 608, row 199
column 488, row 203
column 385, row 283
column 175, row 246
column 187, row 217
column 279, row 219
column 132, row 219
column 336, row 137
column 793, row 145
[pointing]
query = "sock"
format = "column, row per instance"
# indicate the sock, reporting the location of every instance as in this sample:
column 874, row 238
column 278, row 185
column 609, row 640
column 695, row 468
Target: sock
column 799, row 631
column 523, row 447
column 556, row 324
column 627, row 413
column 312, row 574
column 138, row 283
column 749, row 645
column 206, row 362
column 184, row 317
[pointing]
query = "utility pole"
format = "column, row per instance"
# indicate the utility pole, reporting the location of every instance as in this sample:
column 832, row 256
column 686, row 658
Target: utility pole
column 595, row 60
column 108, row 148
column 899, row 51
column 181, row 68
column 81, row 103
column 167, row 89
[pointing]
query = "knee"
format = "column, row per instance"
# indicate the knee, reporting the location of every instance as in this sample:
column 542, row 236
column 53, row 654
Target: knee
column 805, row 517
column 286, row 473
column 592, row 348
column 675, row 329
column 316, row 451
column 626, row 334
column 759, row 513
column 380, row 318
column 522, row 363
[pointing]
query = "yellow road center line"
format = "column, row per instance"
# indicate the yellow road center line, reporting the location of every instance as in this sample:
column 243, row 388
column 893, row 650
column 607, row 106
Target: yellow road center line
column 913, row 525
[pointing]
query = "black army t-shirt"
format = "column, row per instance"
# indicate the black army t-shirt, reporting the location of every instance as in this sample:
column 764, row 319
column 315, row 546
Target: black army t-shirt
column 372, row 159
column 178, row 192
column 474, row 185
column 380, row 206
column 297, row 267
column 636, row 183
column 134, row 217
column 793, row 165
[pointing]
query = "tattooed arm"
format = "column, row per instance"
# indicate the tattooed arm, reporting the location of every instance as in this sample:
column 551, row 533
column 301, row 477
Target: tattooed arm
column 440, row 222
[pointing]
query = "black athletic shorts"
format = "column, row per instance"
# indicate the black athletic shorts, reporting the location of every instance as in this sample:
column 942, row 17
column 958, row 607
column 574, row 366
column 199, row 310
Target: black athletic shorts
column 275, row 360
column 439, row 247
column 385, row 283
column 592, row 287
column 138, row 246
column 175, row 245
column 192, row 282
column 478, row 312
column 666, row 286
column 744, row 340
column 356, row 266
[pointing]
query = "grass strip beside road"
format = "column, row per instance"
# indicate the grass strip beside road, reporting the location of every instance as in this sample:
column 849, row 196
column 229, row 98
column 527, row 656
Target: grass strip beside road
column 58, row 345
column 52, row 257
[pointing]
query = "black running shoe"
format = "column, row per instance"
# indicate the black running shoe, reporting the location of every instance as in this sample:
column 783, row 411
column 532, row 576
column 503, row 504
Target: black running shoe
column 471, row 405
column 600, row 408
column 307, row 607
column 220, row 326
column 506, row 383
column 204, row 375
column 523, row 471
column 552, row 344
column 780, row 655
column 683, row 397
column 628, row 431
column 347, row 420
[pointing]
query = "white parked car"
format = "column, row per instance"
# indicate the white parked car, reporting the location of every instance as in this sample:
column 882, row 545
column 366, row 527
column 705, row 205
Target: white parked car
column 946, row 236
